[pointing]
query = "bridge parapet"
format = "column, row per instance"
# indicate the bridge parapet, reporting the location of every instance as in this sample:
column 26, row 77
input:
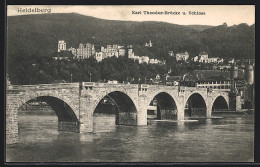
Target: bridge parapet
column 192, row 88
column 108, row 85
column 162, row 87
column 220, row 91
column 45, row 86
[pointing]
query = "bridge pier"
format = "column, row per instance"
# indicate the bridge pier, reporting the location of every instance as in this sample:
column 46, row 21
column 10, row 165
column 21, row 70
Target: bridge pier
column 209, row 110
column 142, row 110
column 86, row 115
column 68, row 126
column 12, row 106
column 180, row 113
column 142, row 117
column 86, row 125
column 180, row 107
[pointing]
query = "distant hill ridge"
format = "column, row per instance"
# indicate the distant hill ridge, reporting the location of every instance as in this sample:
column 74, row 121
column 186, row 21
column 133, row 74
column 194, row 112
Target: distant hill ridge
column 38, row 35
column 199, row 27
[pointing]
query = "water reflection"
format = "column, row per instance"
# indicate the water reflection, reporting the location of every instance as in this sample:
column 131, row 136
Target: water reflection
column 227, row 139
column 104, row 123
column 86, row 138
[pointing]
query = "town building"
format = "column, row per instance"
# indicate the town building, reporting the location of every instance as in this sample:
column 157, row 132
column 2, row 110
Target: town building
column 154, row 80
column 144, row 59
column 182, row 56
column 112, row 82
column 213, row 60
column 222, row 84
column 155, row 61
column 171, row 53
column 203, row 57
column 195, row 59
column 61, row 45
column 232, row 61
column 220, row 60
column 60, row 58
column 173, row 80
column 82, row 52
column 110, row 51
column 121, row 52
column 73, row 51
column 86, row 51
column 116, row 50
column 224, row 67
column 135, row 58
column 99, row 56
column 130, row 51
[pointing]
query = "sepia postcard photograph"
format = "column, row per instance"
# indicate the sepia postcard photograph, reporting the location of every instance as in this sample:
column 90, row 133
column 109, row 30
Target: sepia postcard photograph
column 130, row 83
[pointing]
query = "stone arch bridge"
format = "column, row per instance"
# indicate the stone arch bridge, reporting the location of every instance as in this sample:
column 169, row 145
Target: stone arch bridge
column 75, row 103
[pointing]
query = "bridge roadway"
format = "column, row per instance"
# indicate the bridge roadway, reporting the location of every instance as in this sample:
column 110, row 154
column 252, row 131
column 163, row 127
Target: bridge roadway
column 75, row 103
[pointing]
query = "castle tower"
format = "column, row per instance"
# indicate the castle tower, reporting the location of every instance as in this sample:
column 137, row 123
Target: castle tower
column 250, row 89
column 233, row 76
column 249, row 74
column 234, row 72
column 234, row 96
column 8, row 83
column 61, row 45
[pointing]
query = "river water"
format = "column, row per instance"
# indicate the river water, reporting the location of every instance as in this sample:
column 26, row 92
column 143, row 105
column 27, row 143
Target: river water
column 227, row 139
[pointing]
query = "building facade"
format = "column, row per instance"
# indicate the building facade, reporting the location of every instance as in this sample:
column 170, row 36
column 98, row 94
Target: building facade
column 143, row 59
column 182, row 56
column 61, row 45
column 115, row 50
column 99, row 56
column 85, row 51
column 110, row 51
column 195, row 59
column 225, row 84
column 203, row 57
column 121, row 52
column 156, row 61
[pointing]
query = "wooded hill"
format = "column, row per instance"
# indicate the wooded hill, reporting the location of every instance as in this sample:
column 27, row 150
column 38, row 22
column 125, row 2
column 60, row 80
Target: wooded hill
column 38, row 35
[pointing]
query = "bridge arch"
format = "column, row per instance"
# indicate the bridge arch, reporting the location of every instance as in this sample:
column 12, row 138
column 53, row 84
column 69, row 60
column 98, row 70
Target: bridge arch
column 166, row 105
column 219, row 103
column 64, row 110
column 33, row 95
column 195, row 105
column 125, row 107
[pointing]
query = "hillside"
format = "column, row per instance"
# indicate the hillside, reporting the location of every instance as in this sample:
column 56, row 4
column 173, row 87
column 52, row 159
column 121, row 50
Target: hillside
column 199, row 27
column 37, row 35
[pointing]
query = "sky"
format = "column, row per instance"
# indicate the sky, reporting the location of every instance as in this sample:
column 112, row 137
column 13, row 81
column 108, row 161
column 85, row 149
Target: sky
column 213, row 14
